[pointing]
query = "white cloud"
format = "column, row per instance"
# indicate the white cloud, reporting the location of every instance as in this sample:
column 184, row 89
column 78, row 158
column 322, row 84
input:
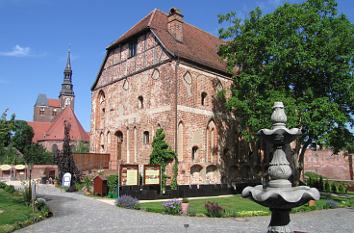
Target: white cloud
column 20, row 51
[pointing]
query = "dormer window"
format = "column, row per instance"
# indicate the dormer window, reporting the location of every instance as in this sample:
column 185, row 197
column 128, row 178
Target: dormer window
column 132, row 48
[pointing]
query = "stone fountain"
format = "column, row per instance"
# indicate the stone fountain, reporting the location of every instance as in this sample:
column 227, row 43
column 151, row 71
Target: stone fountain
column 278, row 194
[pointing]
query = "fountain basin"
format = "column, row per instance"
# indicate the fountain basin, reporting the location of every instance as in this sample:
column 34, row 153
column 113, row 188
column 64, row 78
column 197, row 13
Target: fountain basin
column 281, row 198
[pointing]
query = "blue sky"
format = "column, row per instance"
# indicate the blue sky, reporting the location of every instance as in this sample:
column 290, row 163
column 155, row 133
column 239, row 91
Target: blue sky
column 35, row 36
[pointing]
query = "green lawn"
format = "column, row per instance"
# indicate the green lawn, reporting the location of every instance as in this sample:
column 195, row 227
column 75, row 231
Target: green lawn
column 13, row 208
column 243, row 207
column 232, row 205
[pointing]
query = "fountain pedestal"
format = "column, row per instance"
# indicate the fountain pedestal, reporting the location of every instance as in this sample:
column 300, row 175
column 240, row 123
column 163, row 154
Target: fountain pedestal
column 277, row 194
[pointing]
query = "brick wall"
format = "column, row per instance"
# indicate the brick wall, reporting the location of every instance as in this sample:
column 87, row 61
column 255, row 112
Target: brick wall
column 325, row 163
column 117, row 113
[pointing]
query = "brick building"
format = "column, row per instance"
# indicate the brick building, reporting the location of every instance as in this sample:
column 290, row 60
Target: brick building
column 164, row 72
column 49, row 116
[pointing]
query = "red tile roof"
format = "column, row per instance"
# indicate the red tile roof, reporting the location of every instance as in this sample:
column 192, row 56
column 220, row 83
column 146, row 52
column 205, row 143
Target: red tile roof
column 54, row 131
column 54, row 103
column 39, row 129
column 198, row 46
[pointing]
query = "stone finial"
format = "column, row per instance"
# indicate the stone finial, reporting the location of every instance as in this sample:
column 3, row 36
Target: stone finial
column 278, row 117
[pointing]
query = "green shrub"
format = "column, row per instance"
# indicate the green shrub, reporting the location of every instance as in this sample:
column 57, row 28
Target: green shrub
column 3, row 185
column 173, row 206
column 128, row 202
column 185, row 200
column 87, row 182
column 333, row 188
column 214, row 209
column 327, row 187
column 10, row 189
column 112, row 182
column 26, row 194
column 340, row 188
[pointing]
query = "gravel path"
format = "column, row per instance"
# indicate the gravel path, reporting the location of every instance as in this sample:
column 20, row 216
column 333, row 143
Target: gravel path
column 80, row 214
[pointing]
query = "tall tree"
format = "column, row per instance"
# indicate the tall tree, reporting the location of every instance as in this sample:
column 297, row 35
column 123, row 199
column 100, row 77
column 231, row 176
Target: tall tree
column 65, row 159
column 301, row 54
column 162, row 154
column 22, row 135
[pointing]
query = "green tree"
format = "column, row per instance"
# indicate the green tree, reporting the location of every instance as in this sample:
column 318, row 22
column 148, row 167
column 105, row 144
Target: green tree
column 37, row 154
column 22, row 135
column 301, row 54
column 81, row 147
column 161, row 154
column 6, row 126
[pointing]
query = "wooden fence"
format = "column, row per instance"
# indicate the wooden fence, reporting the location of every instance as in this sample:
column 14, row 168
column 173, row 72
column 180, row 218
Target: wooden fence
column 91, row 161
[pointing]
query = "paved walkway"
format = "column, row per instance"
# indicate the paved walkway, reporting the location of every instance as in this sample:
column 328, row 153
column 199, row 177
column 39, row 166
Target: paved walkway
column 77, row 213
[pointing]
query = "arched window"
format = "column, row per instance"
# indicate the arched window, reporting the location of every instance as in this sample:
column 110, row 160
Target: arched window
column 194, row 152
column 212, row 141
column 102, row 148
column 180, row 141
column 141, row 102
column 146, row 139
column 203, row 98
column 100, row 109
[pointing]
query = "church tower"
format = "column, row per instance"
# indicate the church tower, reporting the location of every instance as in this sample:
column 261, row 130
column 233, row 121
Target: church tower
column 66, row 95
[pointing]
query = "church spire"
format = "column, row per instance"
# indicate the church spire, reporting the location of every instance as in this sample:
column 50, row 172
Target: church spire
column 68, row 63
column 67, row 93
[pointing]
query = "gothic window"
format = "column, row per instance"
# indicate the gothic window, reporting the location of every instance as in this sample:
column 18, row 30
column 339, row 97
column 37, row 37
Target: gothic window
column 180, row 141
column 203, row 98
column 102, row 143
column 146, row 138
column 194, row 152
column 211, row 141
column 100, row 109
column 140, row 102
column 54, row 113
column 132, row 48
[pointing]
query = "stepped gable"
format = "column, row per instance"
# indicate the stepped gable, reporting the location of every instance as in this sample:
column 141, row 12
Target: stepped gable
column 198, row 46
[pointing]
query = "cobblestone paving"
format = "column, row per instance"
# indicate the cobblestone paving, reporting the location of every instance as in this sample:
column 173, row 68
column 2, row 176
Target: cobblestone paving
column 77, row 213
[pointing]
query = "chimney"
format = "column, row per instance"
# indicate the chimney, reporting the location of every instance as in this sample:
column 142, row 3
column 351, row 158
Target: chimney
column 175, row 24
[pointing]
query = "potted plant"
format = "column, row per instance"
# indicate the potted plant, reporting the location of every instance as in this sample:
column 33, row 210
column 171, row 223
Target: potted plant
column 184, row 206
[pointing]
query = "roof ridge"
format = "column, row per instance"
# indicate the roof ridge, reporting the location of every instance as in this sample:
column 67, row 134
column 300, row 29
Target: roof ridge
column 221, row 40
column 152, row 17
column 149, row 14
